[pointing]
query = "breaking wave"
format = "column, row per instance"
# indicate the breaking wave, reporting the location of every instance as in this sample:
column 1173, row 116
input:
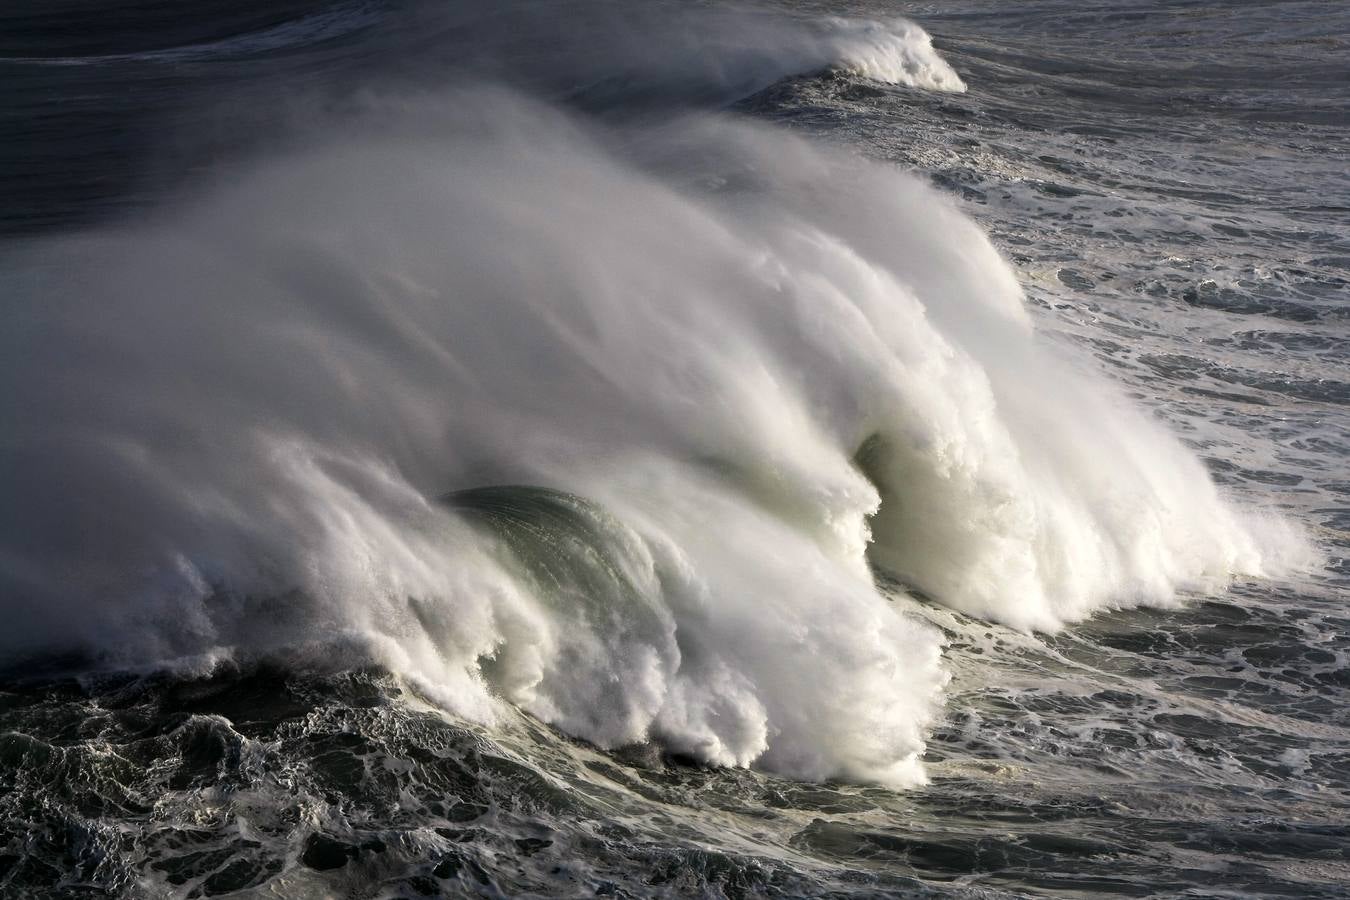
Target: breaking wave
column 734, row 371
column 896, row 52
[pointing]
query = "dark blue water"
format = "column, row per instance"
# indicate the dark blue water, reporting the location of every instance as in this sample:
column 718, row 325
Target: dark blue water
column 1169, row 183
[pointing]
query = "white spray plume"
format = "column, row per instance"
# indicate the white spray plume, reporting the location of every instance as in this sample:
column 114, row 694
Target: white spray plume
column 896, row 52
column 761, row 360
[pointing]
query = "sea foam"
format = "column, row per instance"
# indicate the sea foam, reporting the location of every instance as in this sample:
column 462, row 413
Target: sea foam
column 760, row 367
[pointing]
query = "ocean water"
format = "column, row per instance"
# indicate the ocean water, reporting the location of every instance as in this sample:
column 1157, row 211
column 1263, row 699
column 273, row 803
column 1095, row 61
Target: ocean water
column 675, row 449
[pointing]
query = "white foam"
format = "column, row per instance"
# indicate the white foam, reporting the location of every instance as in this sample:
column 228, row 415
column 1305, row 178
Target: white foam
column 894, row 52
column 229, row 420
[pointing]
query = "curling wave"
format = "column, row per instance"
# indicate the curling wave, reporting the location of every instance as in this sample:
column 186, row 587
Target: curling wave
column 604, row 55
column 741, row 370
column 896, row 52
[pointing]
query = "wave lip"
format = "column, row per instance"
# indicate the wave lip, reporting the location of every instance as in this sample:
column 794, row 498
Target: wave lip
column 694, row 55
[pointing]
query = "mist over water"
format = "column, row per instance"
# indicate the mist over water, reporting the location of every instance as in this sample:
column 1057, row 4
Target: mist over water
column 674, row 431
column 759, row 356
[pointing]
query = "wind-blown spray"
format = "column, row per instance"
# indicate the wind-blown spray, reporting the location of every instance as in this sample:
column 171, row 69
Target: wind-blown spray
column 736, row 370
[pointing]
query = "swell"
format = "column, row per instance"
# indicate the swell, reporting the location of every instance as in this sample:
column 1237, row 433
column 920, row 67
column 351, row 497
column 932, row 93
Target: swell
column 612, row 55
column 739, row 369
column 136, row 36
column 604, row 56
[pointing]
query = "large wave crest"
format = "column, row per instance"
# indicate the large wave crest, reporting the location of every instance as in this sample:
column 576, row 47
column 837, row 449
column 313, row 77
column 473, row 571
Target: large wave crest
column 738, row 370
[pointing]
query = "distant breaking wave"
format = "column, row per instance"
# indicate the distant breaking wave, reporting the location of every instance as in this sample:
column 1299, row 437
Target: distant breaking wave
column 738, row 51
column 684, row 386
column 896, row 52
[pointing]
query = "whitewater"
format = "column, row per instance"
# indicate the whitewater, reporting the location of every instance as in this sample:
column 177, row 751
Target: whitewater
column 574, row 404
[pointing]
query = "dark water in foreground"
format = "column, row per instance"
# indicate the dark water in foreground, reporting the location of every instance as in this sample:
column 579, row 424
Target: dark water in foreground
column 1126, row 759
column 1171, row 184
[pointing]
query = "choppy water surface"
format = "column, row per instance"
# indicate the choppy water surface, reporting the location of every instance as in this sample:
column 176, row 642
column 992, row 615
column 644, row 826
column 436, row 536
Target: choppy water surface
column 279, row 715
